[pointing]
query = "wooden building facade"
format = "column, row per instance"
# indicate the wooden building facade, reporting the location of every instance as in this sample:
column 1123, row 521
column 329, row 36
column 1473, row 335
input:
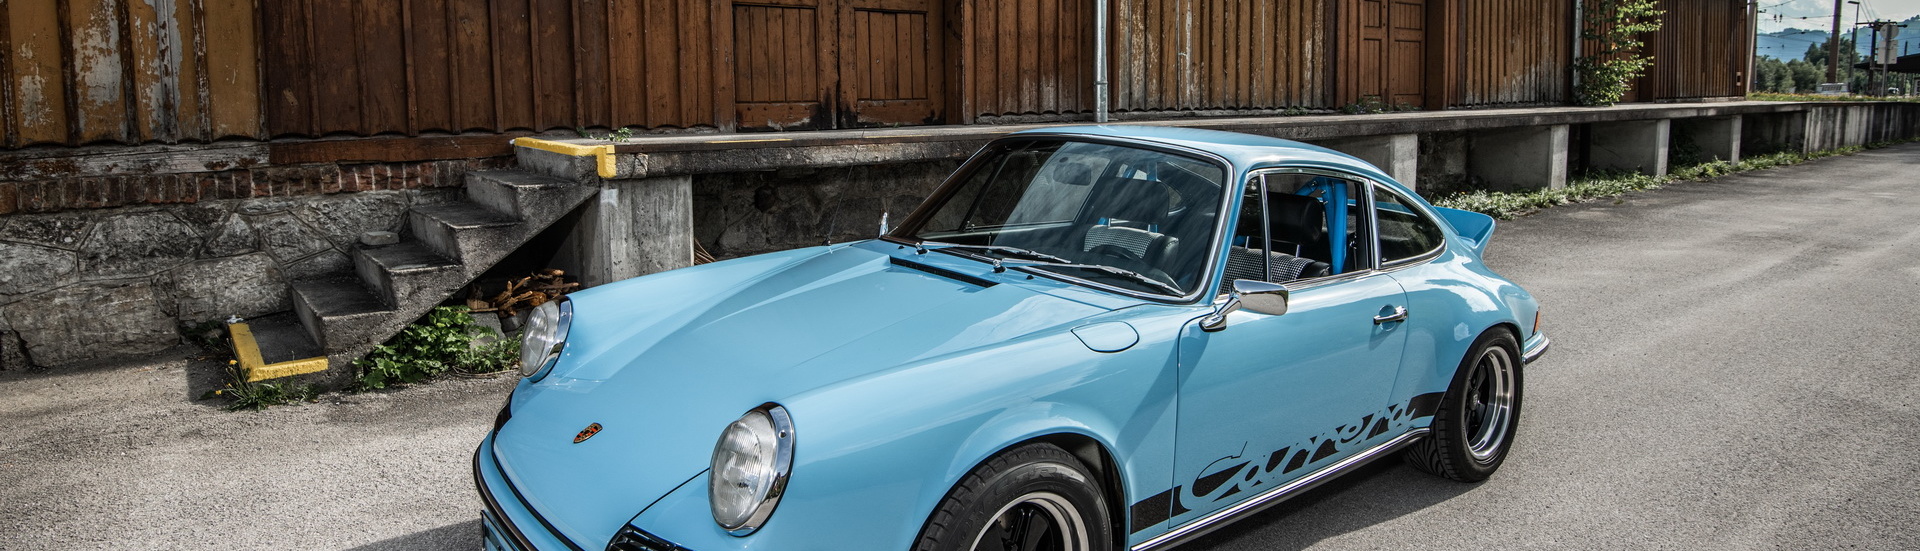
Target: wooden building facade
column 80, row 72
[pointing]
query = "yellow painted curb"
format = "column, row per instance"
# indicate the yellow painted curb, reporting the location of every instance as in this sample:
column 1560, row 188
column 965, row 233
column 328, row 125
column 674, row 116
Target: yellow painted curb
column 247, row 351
column 603, row 154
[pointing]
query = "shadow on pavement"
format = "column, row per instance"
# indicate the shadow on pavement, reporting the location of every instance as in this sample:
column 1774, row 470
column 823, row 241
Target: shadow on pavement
column 1379, row 492
column 464, row 536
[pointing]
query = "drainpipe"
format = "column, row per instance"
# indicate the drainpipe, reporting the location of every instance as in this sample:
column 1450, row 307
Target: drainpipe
column 1100, row 61
column 1579, row 42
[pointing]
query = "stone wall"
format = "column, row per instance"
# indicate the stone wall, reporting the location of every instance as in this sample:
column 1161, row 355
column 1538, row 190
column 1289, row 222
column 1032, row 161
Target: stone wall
column 743, row 214
column 98, row 268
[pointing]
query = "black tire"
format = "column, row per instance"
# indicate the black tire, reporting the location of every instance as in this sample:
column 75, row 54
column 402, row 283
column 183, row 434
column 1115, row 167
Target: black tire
column 1035, row 497
column 1474, row 426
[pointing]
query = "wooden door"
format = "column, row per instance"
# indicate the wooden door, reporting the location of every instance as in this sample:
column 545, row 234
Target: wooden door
column 893, row 65
column 1383, row 56
column 783, row 64
column 1406, row 59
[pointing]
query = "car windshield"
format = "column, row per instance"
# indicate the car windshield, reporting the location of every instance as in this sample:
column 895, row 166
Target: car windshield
column 1131, row 218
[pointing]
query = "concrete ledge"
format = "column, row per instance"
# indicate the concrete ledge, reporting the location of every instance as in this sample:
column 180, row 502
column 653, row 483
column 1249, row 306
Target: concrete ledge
column 658, row 156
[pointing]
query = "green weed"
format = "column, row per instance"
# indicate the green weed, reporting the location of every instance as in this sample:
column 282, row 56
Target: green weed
column 441, row 341
column 258, row 396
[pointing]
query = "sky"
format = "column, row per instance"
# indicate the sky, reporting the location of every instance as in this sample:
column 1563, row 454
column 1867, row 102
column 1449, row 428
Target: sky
column 1818, row 14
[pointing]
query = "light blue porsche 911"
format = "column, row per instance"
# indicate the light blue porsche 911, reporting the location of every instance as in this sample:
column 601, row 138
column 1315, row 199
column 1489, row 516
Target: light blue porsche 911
column 1088, row 338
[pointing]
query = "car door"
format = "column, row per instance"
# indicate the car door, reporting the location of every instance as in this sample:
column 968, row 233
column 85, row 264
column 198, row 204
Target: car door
column 1269, row 398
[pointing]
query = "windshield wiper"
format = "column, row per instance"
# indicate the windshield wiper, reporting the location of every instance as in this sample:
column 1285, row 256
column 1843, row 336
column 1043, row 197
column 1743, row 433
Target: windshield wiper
column 998, row 266
column 995, row 248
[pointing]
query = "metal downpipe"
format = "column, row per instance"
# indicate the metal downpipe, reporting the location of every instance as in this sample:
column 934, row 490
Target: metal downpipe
column 1100, row 61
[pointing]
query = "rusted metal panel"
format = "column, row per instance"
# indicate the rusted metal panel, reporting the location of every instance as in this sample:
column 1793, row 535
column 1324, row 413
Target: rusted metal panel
column 36, row 74
column 127, row 71
column 97, row 74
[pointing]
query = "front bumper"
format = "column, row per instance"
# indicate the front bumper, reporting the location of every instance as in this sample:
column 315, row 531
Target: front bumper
column 1535, row 347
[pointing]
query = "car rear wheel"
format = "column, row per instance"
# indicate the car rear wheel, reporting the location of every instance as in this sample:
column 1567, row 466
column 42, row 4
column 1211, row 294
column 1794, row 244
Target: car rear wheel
column 1474, row 426
column 1036, row 497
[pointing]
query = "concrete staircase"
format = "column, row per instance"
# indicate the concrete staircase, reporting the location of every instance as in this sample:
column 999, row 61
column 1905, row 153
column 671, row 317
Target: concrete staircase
column 339, row 318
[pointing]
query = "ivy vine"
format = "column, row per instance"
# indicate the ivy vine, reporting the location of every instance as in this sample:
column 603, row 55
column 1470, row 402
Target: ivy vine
column 1616, row 25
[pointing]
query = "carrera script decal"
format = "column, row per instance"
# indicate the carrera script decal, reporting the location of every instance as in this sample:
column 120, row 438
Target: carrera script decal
column 586, row 433
column 1229, row 477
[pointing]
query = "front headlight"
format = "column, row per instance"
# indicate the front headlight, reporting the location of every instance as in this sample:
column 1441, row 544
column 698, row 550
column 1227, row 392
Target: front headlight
column 544, row 336
column 750, row 467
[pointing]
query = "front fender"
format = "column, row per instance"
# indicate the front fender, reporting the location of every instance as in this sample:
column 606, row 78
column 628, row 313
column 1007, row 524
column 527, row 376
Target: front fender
column 875, row 455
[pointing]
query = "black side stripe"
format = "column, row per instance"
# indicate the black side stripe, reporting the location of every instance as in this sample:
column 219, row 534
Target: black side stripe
column 1162, row 506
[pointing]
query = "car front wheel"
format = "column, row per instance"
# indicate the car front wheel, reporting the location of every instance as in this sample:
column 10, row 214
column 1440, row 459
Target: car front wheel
column 1474, row 426
column 1036, row 497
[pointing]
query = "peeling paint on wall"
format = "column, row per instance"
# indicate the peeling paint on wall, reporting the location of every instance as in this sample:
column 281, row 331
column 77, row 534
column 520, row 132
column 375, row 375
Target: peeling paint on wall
column 127, row 71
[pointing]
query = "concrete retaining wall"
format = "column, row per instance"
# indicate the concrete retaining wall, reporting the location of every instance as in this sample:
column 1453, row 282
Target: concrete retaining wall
column 80, row 285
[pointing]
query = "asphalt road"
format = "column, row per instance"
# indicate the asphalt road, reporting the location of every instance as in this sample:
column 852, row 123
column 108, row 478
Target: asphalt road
column 1732, row 369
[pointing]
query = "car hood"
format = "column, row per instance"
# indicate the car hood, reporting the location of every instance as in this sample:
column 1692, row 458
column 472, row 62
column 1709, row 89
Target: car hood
column 663, row 364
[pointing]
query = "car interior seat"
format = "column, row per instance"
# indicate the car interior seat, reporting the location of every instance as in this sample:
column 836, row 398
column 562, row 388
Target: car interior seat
column 1131, row 212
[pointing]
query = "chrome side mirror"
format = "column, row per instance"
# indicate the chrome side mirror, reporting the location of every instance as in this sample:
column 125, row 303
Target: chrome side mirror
column 1258, row 296
column 1262, row 297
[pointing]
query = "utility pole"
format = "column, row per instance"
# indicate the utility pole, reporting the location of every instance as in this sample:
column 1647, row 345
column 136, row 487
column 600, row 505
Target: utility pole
column 1833, row 46
column 1856, row 38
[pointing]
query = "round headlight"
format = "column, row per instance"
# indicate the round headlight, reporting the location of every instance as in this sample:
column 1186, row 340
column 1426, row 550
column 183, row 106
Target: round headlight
column 544, row 336
column 750, row 467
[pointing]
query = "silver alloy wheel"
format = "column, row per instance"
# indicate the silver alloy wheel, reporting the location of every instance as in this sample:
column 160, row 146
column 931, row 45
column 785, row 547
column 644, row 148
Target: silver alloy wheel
column 1490, row 397
column 1038, row 521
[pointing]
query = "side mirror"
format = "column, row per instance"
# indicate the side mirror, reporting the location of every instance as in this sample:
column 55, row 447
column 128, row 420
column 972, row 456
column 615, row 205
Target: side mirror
column 1262, row 297
column 1258, row 296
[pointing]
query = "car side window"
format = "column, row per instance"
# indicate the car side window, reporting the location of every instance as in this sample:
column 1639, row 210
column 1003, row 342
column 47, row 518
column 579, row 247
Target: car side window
column 1295, row 226
column 1404, row 232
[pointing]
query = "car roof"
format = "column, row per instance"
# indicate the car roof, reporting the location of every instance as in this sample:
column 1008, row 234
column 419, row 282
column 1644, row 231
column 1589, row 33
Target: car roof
column 1244, row 151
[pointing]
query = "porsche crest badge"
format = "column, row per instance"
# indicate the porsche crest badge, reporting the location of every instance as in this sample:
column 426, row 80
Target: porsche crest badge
column 586, row 433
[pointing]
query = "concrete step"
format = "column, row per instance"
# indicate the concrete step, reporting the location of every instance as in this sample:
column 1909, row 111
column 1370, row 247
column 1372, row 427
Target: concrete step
column 339, row 312
column 446, row 245
column 455, row 230
column 403, row 272
column 517, row 194
column 275, row 346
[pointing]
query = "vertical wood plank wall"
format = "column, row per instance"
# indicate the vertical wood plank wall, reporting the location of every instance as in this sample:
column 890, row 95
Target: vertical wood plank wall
column 1177, row 55
column 126, row 71
column 1513, row 52
column 74, row 72
column 368, row 67
column 1025, row 58
column 1698, row 51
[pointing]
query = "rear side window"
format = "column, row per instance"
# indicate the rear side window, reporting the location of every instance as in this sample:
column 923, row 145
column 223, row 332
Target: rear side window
column 1404, row 232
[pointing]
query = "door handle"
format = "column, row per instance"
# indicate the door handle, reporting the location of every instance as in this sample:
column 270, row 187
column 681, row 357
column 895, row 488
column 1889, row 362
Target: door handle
column 1399, row 314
